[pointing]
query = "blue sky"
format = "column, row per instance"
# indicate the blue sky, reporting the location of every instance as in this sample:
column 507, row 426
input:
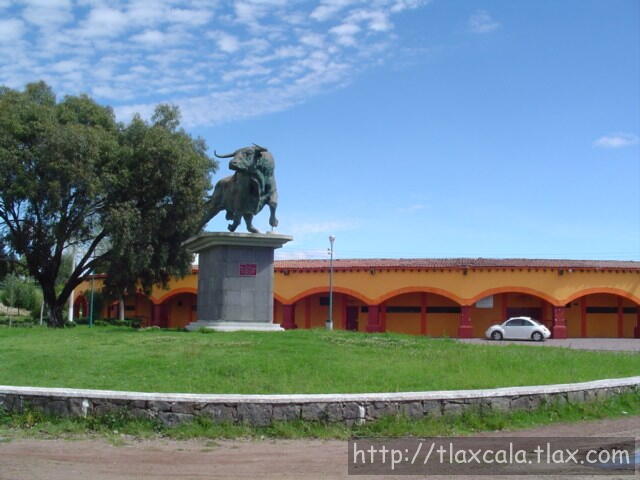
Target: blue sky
column 405, row 128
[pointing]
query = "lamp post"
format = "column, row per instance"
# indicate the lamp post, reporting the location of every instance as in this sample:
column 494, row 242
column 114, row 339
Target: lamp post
column 330, row 321
column 71, row 296
column 91, row 304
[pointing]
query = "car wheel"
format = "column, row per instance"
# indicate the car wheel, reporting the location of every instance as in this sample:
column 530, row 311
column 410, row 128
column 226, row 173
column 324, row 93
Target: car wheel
column 537, row 337
column 496, row 336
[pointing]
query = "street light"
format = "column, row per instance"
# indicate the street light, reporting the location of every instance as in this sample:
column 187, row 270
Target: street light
column 330, row 321
column 91, row 304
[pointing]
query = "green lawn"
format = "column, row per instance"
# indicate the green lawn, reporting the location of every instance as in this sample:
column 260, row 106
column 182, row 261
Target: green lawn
column 304, row 361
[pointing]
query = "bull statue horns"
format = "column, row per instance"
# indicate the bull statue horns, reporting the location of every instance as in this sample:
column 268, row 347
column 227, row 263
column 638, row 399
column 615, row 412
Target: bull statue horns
column 224, row 156
column 262, row 149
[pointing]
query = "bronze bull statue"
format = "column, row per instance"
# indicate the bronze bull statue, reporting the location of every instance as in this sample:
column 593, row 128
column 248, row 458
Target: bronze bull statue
column 247, row 191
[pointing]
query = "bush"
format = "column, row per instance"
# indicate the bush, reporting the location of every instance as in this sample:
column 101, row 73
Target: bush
column 20, row 293
column 7, row 321
column 104, row 322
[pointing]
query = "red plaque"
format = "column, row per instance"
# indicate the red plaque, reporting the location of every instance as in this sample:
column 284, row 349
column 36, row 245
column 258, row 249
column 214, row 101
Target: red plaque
column 248, row 269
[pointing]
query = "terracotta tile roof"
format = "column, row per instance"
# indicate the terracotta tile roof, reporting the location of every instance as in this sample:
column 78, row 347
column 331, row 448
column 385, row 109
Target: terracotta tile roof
column 367, row 263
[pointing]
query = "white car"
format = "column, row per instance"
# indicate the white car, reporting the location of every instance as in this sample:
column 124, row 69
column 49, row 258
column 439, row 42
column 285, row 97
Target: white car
column 518, row 328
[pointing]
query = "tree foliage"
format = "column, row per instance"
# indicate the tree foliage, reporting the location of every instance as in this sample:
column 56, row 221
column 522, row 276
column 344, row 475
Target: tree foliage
column 125, row 196
column 20, row 293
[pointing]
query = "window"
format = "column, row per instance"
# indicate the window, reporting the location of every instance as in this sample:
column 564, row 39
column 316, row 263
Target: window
column 443, row 309
column 397, row 309
column 602, row 310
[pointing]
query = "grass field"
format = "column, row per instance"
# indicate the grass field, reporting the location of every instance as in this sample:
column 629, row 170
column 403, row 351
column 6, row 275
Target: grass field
column 305, row 361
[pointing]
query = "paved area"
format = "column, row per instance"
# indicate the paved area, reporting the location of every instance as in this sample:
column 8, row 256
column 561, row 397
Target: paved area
column 612, row 344
column 97, row 459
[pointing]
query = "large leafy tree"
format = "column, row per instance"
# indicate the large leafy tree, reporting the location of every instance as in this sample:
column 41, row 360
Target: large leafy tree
column 149, row 226
column 71, row 177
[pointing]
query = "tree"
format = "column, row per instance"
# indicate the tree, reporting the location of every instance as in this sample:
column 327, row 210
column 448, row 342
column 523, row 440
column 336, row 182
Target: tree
column 148, row 229
column 20, row 293
column 126, row 196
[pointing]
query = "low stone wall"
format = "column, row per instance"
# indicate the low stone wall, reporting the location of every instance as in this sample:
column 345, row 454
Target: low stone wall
column 260, row 410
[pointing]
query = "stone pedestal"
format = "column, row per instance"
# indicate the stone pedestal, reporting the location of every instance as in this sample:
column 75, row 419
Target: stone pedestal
column 235, row 280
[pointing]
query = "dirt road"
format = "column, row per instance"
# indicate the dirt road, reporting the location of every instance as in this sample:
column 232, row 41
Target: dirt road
column 96, row 459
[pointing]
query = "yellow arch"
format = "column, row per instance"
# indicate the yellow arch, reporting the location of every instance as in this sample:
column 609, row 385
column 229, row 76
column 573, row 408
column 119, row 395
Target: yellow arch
column 323, row 289
column 612, row 291
column 404, row 290
column 514, row 289
column 173, row 293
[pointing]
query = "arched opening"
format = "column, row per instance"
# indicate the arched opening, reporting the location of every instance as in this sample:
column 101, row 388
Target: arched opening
column 177, row 311
column 421, row 313
column 602, row 315
column 80, row 307
column 312, row 311
column 498, row 307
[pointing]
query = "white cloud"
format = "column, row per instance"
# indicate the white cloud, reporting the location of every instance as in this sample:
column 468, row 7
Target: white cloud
column 312, row 39
column 329, row 8
column 482, row 22
column 401, row 5
column 303, row 254
column 67, row 66
column 323, row 227
column 416, row 207
column 227, row 43
column 220, row 61
column 377, row 20
column 617, row 140
column 149, row 37
column 104, row 22
column 47, row 14
column 345, row 33
column 190, row 16
column 12, row 30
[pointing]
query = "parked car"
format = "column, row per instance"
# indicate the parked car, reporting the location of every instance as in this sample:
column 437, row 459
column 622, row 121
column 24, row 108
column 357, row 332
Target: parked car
column 518, row 328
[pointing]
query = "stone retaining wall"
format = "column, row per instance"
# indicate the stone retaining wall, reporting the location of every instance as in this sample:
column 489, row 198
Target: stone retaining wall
column 260, row 410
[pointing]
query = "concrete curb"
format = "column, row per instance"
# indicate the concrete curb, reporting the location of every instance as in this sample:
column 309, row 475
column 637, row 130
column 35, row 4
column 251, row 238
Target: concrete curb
column 173, row 408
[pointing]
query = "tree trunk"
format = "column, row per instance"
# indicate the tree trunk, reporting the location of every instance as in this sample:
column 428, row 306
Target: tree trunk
column 121, row 309
column 55, row 309
column 56, row 315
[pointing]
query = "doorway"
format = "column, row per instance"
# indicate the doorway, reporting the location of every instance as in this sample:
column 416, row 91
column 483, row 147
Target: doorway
column 352, row 318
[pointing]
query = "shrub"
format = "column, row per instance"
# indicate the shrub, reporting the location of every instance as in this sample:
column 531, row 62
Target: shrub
column 21, row 293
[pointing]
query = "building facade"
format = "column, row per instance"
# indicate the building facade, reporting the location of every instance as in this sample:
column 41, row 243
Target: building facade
column 434, row 297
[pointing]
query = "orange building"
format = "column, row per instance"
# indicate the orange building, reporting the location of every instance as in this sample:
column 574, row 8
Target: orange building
column 435, row 297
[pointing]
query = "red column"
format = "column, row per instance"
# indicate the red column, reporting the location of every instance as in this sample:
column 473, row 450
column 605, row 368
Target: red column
column 583, row 316
column 465, row 330
column 289, row 317
column 636, row 331
column 343, row 311
column 559, row 329
column 423, row 314
column 504, row 307
column 373, row 323
column 155, row 315
column 307, row 313
column 620, row 318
